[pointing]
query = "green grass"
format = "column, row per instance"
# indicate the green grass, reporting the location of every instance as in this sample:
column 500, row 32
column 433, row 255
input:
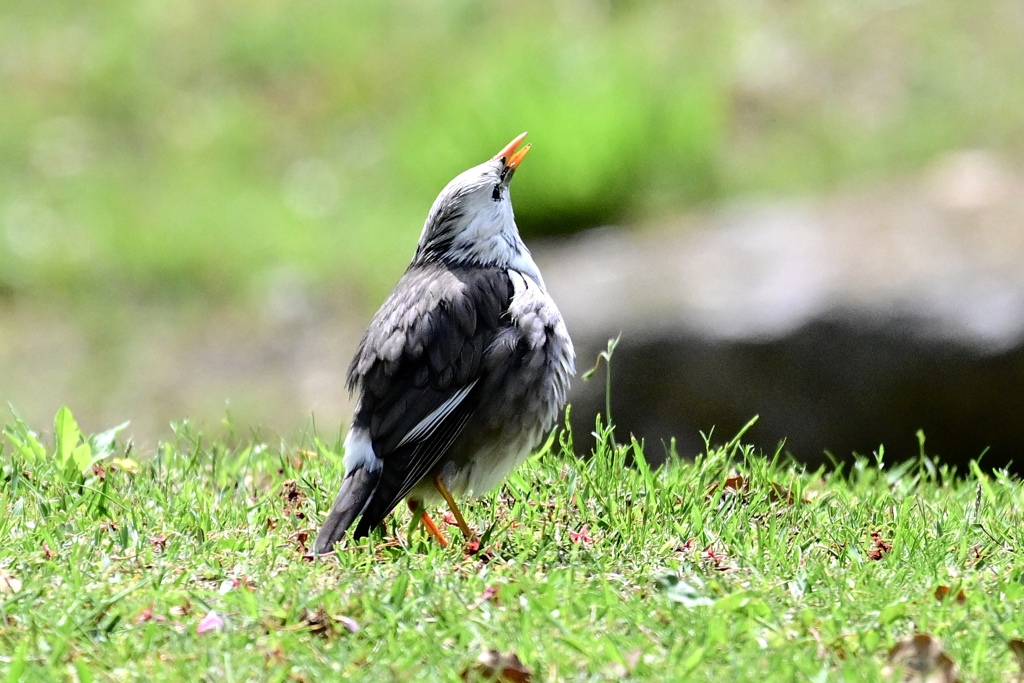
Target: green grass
column 731, row 567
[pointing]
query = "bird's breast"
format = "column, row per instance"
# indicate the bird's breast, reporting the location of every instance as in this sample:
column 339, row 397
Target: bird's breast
column 528, row 372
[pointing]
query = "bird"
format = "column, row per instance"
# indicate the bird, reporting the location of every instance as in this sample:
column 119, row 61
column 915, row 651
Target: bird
column 462, row 372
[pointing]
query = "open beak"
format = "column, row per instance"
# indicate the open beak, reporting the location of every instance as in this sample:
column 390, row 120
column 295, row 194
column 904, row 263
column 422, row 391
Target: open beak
column 510, row 156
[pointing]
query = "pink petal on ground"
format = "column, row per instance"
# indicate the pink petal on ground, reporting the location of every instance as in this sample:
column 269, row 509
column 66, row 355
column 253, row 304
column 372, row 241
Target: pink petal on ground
column 348, row 622
column 581, row 536
column 211, row 622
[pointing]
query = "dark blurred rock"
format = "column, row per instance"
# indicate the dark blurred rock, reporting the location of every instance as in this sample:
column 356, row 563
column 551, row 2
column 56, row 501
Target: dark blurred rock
column 844, row 324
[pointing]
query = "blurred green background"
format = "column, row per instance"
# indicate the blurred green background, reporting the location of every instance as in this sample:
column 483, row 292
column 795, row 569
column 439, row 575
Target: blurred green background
column 184, row 155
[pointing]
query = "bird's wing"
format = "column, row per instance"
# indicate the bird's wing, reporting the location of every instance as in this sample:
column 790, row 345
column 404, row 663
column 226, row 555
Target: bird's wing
column 418, row 370
column 428, row 425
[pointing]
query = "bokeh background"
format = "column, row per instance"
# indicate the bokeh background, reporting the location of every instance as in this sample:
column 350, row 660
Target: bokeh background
column 202, row 203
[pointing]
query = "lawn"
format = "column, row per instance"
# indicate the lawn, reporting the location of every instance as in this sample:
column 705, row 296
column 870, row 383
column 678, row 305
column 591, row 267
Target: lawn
column 188, row 564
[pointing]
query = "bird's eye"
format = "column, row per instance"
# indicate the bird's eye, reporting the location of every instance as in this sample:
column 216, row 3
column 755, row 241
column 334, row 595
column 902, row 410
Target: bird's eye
column 496, row 193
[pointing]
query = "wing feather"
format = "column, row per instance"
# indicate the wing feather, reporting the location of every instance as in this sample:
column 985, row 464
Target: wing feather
column 418, row 370
column 398, row 479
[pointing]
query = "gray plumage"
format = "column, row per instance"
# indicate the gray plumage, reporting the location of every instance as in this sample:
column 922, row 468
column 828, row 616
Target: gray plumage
column 464, row 368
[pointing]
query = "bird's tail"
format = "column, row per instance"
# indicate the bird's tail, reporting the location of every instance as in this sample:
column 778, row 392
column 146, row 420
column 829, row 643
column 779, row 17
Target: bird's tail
column 356, row 492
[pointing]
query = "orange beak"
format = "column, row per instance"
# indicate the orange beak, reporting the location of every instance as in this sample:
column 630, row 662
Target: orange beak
column 511, row 157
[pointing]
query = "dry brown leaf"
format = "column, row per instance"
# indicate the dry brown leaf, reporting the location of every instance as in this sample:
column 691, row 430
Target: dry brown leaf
column 317, row 621
column 492, row 665
column 921, row 659
column 780, row 494
column 879, row 547
column 300, row 538
column 942, row 594
column 737, row 484
column 294, row 499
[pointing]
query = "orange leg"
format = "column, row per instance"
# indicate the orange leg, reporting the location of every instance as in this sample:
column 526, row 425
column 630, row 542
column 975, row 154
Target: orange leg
column 416, row 508
column 455, row 509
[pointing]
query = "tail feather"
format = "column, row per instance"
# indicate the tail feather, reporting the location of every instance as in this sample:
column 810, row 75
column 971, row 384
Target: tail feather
column 356, row 493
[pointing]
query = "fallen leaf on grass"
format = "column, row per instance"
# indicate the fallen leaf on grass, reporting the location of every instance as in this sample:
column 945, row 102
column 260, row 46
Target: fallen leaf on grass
column 211, row 622
column 300, row 538
column 294, row 499
column 291, row 492
column 921, row 659
column 942, row 593
column 477, row 553
column 318, row 622
column 736, row 484
column 739, row 484
column 492, row 665
column 780, row 493
column 879, row 547
column 9, row 583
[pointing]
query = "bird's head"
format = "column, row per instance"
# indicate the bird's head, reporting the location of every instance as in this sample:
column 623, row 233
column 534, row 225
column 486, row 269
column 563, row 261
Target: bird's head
column 471, row 221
